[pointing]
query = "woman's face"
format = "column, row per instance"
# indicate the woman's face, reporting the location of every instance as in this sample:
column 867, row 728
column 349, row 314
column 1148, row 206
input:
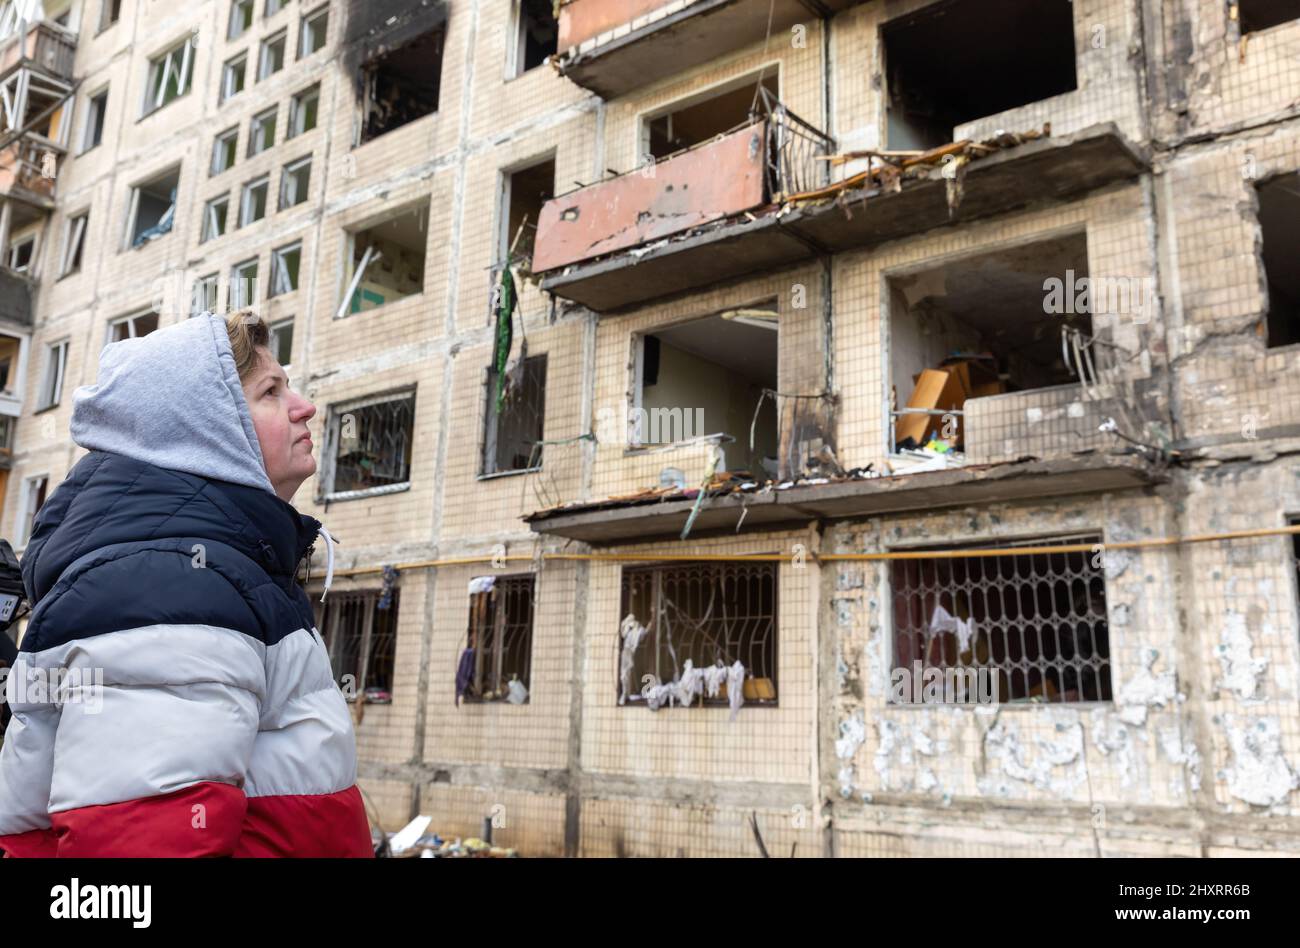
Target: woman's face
column 280, row 417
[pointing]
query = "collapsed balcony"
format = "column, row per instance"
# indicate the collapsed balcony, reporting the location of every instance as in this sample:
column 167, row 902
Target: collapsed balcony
column 720, row 212
column 615, row 46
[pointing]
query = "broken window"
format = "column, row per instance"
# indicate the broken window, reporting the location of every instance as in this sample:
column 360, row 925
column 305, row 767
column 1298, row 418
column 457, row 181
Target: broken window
column 360, row 634
column 315, row 28
column 34, row 489
column 232, row 76
column 387, row 261
column 73, row 242
column 252, row 202
column 513, row 436
column 1256, row 15
column 153, row 207
column 284, row 269
column 501, row 636
column 1019, row 627
column 302, row 111
column 203, row 299
column 271, row 59
column 243, row 285
column 215, row 214
column 368, row 446
column 241, row 18
column 958, row 60
column 109, row 13
column 56, row 360
column 169, row 75
column 981, row 326
column 402, row 85
column 132, row 327
column 710, row 615
column 92, row 132
column 261, row 131
column 537, row 36
column 21, row 251
column 294, row 181
column 708, row 377
column 525, row 191
column 281, row 341
column 224, row 149
column 1279, row 220
column 702, row 117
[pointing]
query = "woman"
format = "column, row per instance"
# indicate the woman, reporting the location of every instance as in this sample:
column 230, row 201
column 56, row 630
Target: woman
column 166, row 564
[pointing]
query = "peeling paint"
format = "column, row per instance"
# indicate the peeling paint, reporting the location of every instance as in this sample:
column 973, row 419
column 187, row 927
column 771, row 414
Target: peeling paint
column 1258, row 774
column 1241, row 670
column 1145, row 690
column 1056, row 765
column 1183, row 752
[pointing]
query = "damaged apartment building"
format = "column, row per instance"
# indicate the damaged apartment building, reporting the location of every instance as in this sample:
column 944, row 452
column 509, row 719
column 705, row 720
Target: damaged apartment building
column 700, row 382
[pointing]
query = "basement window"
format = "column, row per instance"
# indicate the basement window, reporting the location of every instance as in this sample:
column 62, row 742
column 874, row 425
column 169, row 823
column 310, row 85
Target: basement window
column 501, row 638
column 711, row 615
column 402, row 85
column 1013, row 628
column 707, row 377
column 1256, row 15
column 368, row 447
column 524, row 193
column 1279, row 220
column 700, row 118
column 980, row 326
column 537, row 35
column 959, row 60
column 387, row 261
column 153, row 207
column 513, row 432
column 360, row 635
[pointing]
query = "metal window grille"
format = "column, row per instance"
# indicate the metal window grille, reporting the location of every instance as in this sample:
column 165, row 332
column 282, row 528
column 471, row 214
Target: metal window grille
column 709, row 613
column 361, row 639
column 1035, row 620
column 513, row 436
column 372, row 444
column 501, row 634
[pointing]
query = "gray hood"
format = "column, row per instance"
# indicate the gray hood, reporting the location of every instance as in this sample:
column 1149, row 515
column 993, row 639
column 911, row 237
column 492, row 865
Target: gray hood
column 173, row 399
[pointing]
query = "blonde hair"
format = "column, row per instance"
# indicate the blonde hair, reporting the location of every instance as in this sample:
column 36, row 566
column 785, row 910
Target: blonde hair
column 247, row 333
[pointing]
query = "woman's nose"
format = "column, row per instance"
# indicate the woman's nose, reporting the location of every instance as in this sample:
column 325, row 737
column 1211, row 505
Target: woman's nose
column 304, row 409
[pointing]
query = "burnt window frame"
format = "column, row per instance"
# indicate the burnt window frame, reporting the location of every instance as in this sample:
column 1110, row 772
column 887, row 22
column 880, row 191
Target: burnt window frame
column 367, row 87
column 486, row 614
column 1105, row 672
column 327, row 616
column 325, row 483
column 762, row 570
column 492, row 420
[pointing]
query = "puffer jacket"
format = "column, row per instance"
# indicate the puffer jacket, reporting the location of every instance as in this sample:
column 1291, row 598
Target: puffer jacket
column 172, row 696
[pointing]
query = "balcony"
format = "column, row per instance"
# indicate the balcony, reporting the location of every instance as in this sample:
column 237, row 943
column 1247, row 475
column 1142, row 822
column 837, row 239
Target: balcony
column 23, row 172
column 16, row 298
column 623, row 521
column 609, row 267
column 45, row 47
column 735, row 176
column 615, row 46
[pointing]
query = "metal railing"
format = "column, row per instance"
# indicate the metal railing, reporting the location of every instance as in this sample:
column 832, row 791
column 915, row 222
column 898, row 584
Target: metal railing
column 793, row 147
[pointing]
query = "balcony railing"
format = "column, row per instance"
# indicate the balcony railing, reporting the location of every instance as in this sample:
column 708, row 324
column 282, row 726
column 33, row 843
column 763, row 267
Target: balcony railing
column 42, row 45
column 24, row 167
column 763, row 161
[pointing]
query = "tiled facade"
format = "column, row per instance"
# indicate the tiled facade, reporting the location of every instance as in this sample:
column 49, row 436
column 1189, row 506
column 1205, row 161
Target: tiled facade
column 1198, row 753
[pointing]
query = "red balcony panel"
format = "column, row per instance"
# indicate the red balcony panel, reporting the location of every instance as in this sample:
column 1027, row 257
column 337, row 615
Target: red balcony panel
column 708, row 183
